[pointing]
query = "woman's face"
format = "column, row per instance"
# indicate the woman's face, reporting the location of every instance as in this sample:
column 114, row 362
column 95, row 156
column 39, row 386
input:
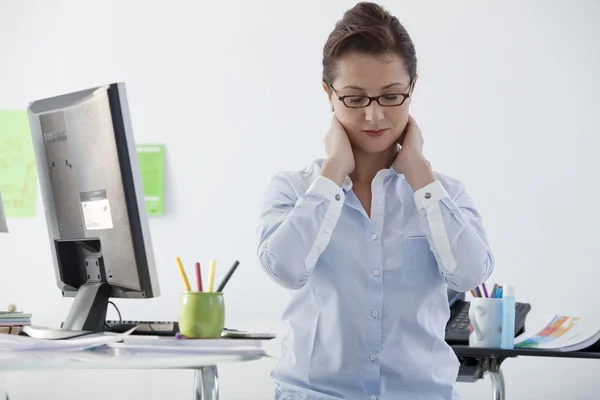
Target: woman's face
column 374, row 128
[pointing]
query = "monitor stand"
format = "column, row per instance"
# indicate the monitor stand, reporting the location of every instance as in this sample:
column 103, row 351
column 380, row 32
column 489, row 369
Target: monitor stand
column 87, row 314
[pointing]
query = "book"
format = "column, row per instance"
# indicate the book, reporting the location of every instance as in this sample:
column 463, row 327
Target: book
column 12, row 323
column 560, row 332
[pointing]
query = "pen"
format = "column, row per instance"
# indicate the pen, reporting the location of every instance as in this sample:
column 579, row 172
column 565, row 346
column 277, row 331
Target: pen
column 186, row 283
column 198, row 277
column 211, row 275
column 478, row 292
column 473, row 293
column 485, row 292
column 494, row 289
column 228, row 276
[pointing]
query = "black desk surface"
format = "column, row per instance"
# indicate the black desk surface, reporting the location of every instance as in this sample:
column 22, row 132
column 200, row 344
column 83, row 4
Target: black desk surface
column 466, row 351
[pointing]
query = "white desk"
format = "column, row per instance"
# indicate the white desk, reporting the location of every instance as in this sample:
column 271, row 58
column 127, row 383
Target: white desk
column 205, row 366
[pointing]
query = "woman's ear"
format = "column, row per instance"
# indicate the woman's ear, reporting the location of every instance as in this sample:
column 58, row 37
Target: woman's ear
column 412, row 89
column 328, row 91
column 412, row 86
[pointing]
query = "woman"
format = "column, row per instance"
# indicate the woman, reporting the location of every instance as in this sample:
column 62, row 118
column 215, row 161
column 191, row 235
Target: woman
column 369, row 238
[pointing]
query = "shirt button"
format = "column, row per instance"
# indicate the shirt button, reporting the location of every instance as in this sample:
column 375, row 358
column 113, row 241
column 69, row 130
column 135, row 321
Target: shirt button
column 372, row 357
column 427, row 195
column 374, row 236
column 375, row 314
column 373, row 397
column 338, row 197
column 376, row 272
column 379, row 202
column 326, row 230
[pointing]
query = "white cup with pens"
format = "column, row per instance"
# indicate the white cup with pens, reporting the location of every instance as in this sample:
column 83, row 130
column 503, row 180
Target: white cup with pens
column 492, row 318
column 485, row 315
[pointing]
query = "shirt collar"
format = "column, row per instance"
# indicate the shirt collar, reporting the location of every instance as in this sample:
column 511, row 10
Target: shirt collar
column 347, row 184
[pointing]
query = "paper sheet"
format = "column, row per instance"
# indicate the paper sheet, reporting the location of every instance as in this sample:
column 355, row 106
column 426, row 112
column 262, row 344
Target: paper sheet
column 12, row 343
column 17, row 165
column 148, row 348
column 151, row 159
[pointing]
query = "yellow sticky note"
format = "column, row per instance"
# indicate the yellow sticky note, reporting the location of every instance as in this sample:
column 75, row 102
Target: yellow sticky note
column 18, row 175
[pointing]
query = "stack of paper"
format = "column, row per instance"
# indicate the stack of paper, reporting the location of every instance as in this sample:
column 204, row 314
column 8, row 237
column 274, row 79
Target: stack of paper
column 13, row 322
column 195, row 346
column 15, row 343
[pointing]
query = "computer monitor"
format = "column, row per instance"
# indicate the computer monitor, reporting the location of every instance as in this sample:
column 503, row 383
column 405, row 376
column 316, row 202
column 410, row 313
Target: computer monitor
column 93, row 201
column 3, row 223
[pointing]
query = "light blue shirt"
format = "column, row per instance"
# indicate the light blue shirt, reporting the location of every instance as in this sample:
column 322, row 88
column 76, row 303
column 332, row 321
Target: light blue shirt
column 368, row 305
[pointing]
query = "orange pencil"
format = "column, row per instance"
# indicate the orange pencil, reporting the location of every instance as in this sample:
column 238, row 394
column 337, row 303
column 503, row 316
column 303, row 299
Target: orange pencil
column 186, row 283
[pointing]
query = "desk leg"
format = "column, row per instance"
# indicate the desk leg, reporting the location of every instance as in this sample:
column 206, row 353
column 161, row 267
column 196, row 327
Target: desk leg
column 497, row 384
column 207, row 383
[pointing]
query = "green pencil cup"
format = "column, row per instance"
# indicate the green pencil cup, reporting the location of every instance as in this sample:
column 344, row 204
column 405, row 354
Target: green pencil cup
column 201, row 314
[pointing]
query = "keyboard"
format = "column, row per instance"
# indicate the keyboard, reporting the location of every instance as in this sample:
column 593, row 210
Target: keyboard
column 170, row 328
column 457, row 329
column 155, row 328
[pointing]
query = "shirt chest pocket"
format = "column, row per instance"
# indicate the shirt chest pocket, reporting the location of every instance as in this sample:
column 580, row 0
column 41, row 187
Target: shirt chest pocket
column 418, row 266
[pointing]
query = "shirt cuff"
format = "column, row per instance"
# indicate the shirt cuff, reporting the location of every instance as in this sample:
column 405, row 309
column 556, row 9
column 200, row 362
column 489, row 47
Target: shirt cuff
column 328, row 189
column 429, row 195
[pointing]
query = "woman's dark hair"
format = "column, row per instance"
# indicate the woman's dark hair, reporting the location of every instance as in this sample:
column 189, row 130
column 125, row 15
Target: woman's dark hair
column 369, row 29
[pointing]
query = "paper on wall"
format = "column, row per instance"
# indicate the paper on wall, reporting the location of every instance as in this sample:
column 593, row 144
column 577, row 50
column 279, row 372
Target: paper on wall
column 151, row 159
column 18, row 175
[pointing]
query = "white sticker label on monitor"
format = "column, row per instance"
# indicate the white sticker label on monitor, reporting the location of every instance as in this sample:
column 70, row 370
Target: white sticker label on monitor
column 96, row 211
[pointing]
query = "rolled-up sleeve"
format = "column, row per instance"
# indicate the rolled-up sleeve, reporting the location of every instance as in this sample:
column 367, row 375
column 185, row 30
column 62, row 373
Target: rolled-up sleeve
column 455, row 232
column 295, row 230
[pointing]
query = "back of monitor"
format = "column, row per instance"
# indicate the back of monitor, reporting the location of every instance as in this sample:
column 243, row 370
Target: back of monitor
column 3, row 224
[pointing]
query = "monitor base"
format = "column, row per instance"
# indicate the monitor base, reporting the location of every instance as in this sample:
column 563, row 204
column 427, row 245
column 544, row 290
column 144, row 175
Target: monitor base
column 42, row 332
column 88, row 312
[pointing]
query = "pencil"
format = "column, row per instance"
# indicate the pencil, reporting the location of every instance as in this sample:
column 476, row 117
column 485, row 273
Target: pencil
column 186, row 283
column 485, row 292
column 211, row 275
column 228, row 276
column 473, row 293
column 198, row 277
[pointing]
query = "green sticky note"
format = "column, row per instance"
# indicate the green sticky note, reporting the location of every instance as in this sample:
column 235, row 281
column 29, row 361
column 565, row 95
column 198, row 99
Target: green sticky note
column 18, row 175
column 151, row 158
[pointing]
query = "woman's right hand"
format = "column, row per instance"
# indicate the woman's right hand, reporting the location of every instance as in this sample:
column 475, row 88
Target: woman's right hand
column 340, row 158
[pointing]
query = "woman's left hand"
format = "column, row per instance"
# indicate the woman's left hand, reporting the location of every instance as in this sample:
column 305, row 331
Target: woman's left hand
column 410, row 160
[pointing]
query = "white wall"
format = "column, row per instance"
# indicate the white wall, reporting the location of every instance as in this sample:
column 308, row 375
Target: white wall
column 507, row 100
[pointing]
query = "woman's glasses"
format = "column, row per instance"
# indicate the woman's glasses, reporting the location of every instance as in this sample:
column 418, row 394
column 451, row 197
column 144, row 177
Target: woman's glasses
column 384, row 100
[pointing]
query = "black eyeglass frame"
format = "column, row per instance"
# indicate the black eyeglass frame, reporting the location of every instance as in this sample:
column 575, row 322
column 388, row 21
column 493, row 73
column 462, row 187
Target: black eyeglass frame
column 371, row 99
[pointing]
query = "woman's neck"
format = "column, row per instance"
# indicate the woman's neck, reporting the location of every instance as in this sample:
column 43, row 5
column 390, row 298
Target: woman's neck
column 368, row 164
